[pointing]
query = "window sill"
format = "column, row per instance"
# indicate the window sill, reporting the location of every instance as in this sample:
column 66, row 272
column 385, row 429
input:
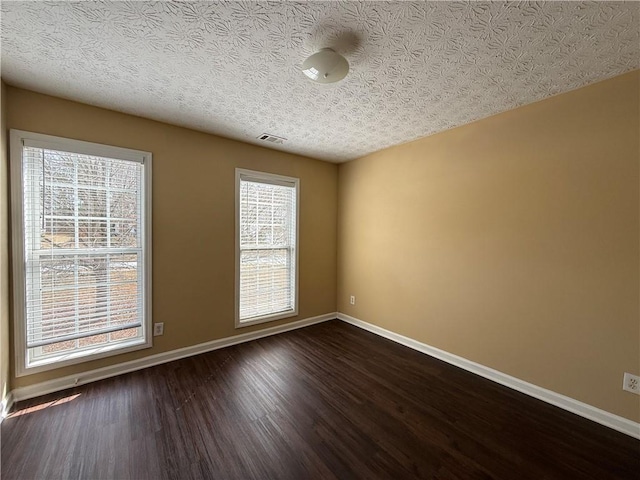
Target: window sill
column 266, row 318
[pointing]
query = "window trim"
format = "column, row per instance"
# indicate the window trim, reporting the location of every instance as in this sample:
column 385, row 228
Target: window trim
column 277, row 180
column 16, row 141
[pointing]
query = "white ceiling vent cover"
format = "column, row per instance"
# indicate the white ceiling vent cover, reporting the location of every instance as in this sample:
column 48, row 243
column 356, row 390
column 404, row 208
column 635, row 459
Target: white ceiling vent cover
column 267, row 137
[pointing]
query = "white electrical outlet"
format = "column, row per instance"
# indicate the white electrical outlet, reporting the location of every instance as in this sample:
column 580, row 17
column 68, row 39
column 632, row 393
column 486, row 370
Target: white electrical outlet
column 352, row 300
column 631, row 383
column 158, row 329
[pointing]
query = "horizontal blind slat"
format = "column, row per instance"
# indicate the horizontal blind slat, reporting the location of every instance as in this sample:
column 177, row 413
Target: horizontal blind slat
column 92, row 333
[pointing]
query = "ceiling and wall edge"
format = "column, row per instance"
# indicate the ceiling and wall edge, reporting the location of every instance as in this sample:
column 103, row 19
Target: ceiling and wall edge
column 234, row 68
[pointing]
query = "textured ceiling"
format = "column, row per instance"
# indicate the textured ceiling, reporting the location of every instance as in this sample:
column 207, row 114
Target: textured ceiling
column 233, row 68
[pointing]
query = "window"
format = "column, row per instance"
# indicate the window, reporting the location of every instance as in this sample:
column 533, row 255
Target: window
column 81, row 243
column 266, row 247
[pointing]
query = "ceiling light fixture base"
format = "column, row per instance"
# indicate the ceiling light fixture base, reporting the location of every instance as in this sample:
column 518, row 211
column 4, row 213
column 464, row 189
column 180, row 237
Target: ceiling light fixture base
column 325, row 66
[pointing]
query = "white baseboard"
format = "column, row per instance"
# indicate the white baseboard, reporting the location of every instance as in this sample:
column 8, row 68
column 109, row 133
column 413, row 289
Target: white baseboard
column 5, row 406
column 602, row 417
column 43, row 388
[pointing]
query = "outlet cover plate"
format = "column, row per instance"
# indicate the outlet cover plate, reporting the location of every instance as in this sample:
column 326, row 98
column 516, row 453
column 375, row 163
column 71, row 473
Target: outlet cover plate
column 158, row 329
column 631, row 383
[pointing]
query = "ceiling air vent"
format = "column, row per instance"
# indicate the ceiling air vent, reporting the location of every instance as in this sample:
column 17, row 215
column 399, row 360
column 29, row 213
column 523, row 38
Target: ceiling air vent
column 267, row 137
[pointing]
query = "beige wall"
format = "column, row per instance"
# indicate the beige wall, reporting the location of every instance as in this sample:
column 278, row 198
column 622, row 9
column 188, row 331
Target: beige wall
column 512, row 242
column 4, row 249
column 193, row 219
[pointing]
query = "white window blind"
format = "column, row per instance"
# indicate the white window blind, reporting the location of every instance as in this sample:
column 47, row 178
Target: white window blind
column 267, row 246
column 84, row 252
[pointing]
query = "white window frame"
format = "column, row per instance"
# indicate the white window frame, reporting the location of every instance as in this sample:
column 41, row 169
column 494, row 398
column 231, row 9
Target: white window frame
column 17, row 140
column 270, row 178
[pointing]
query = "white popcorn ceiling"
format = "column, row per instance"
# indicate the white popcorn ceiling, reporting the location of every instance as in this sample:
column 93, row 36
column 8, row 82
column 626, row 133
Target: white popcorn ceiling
column 233, row 68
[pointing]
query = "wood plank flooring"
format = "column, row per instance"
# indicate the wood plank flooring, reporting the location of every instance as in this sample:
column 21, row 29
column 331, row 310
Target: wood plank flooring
column 329, row 401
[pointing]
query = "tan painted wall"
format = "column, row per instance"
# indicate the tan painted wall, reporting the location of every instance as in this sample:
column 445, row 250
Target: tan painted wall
column 512, row 242
column 193, row 219
column 4, row 249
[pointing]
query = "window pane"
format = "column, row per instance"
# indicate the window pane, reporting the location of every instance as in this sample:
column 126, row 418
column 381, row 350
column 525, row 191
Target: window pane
column 82, row 293
column 267, row 215
column 265, row 282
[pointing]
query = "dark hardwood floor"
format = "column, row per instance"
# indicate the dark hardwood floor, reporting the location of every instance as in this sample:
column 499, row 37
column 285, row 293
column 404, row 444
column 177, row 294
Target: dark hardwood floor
column 328, row 401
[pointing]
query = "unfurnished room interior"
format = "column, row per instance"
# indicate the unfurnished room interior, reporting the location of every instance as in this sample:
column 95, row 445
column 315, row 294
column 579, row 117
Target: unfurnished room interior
column 320, row 240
